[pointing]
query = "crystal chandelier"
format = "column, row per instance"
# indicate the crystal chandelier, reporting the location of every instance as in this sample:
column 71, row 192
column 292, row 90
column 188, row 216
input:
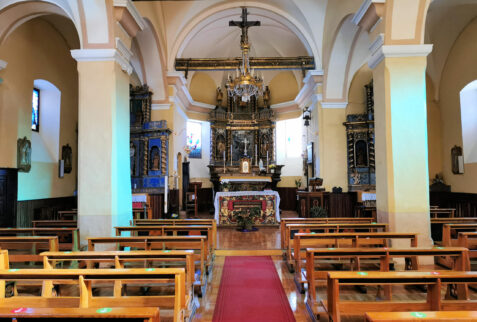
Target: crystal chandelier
column 246, row 84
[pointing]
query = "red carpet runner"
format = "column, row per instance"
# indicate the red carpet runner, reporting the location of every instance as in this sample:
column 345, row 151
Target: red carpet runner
column 250, row 290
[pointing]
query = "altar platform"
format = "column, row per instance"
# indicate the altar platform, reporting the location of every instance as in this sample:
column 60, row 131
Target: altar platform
column 229, row 204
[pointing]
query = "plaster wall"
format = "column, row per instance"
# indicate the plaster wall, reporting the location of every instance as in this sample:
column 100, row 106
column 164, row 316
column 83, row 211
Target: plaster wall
column 37, row 51
column 434, row 131
column 357, row 92
column 283, row 88
column 460, row 69
column 203, row 89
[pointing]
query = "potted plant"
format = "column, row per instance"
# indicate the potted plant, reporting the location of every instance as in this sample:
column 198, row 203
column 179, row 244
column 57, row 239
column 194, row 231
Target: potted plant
column 318, row 212
column 246, row 219
column 225, row 186
column 298, row 183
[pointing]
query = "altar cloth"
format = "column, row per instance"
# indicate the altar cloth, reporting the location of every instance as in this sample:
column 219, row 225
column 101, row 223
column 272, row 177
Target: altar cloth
column 224, row 205
column 227, row 179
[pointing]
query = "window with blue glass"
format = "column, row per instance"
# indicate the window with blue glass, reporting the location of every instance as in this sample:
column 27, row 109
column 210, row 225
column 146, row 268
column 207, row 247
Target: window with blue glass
column 194, row 139
column 35, row 110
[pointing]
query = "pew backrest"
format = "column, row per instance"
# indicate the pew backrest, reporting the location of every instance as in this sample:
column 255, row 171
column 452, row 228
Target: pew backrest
column 34, row 244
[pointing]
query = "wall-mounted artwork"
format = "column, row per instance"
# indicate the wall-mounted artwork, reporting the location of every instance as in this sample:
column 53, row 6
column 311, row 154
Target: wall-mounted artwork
column 24, row 155
column 67, row 157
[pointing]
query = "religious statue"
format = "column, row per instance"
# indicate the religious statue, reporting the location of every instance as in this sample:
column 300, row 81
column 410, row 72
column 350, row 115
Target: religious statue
column 266, row 97
column 356, row 177
column 219, row 96
column 24, row 155
column 155, row 159
column 132, row 154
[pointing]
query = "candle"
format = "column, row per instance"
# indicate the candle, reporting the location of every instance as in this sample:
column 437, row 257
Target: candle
column 256, row 155
column 224, row 161
column 230, row 155
column 267, row 160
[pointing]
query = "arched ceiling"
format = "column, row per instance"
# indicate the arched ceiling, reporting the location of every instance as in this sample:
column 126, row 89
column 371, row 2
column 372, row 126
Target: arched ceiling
column 446, row 19
column 274, row 38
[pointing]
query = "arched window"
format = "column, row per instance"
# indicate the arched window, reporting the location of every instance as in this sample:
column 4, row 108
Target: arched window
column 35, row 110
column 468, row 113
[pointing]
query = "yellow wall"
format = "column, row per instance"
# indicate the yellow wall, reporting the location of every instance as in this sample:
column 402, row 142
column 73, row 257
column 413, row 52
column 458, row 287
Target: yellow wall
column 357, row 92
column 460, row 69
column 37, row 51
column 283, row 88
column 203, row 88
column 434, row 131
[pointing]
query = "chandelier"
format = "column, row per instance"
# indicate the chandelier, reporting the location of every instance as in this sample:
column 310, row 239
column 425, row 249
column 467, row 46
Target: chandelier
column 245, row 84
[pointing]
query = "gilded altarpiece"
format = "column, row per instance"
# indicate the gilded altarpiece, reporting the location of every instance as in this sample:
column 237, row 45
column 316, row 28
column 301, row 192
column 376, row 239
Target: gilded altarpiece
column 242, row 130
column 148, row 147
column 360, row 146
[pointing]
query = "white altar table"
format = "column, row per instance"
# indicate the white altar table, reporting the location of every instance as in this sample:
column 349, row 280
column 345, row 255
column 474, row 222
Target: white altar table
column 268, row 200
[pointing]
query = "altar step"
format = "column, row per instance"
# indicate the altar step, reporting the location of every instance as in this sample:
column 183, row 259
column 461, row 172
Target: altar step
column 248, row 252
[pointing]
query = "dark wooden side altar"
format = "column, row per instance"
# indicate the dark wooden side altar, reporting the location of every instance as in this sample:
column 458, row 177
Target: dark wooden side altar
column 243, row 130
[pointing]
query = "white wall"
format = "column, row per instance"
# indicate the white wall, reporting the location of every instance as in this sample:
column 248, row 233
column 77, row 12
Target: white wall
column 293, row 163
column 198, row 167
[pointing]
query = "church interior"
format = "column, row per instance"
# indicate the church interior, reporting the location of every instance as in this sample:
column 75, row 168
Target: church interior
column 226, row 160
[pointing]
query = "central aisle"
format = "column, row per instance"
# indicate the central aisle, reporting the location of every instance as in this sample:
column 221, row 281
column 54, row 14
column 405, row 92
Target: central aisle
column 250, row 290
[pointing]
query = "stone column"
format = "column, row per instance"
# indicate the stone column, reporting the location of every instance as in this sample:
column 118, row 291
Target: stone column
column 402, row 176
column 104, row 185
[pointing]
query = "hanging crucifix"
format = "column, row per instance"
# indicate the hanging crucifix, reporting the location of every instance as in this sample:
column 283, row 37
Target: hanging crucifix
column 244, row 25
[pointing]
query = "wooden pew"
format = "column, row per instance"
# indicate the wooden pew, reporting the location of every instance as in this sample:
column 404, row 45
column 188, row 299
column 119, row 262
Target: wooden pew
column 176, row 258
column 33, row 244
column 172, row 230
column 4, row 263
column 170, row 258
column 302, row 241
column 424, row 316
column 290, row 229
column 449, row 212
column 180, row 222
column 85, row 279
column 335, row 307
column 469, row 241
column 437, row 224
column 67, row 214
column 332, row 220
column 55, row 223
column 385, row 255
column 71, row 233
column 448, row 232
column 196, row 243
column 146, row 314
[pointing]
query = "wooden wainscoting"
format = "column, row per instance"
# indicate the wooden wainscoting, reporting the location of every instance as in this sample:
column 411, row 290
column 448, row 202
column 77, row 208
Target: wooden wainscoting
column 287, row 198
column 464, row 203
column 42, row 209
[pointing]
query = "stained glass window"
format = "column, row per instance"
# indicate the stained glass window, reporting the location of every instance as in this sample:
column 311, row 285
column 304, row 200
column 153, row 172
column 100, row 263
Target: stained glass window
column 35, row 110
column 194, row 139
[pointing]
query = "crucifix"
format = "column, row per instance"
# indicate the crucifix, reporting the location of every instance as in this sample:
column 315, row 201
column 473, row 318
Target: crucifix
column 245, row 142
column 244, row 25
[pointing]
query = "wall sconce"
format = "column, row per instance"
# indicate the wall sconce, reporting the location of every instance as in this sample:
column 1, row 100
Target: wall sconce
column 307, row 116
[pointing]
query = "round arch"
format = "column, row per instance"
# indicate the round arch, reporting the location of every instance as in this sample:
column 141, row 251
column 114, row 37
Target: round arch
column 14, row 13
column 195, row 25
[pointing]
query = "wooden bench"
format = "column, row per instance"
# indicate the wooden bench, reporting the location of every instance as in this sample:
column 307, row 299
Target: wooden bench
column 469, row 241
column 437, row 224
column 335, row 307
column 177, row 258
column 450, row 238
column 136, row 314
column 31, row 244
column 302, row 241
column 315, row 255
column 63, row 233
column 85, row 279
column 435, row 212
column 180, row 222
column 196, row 243
column 4, row 262
column 291, row 229
column 55, row 223
column 67, row 214
column 333, row 220
column 173, row 231
column 424, row 316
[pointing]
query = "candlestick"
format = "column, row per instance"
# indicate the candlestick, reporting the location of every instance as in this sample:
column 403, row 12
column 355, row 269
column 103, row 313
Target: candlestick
column 267, row 161
column 230, row 155
column 256, row 155
column 224, row 161
column 166, row 190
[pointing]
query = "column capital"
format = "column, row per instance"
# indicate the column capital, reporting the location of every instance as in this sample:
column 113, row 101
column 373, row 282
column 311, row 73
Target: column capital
column 109, row 54
column 311, row 82
column 369, row 14
column 384, row 51
column 3, row 64
column 129, row 17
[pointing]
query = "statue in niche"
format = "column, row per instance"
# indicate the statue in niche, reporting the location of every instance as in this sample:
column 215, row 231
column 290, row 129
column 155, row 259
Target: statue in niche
column 24, row 155
column 155, row 159
column 361, row 150
column 266, row 97
column 132, row 157
column 356, row 177
column 67, row 156
column 219, row 96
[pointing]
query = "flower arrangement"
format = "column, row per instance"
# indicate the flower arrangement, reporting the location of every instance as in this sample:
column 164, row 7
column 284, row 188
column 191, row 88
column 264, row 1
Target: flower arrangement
column 246, row 219
column 298, row 183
